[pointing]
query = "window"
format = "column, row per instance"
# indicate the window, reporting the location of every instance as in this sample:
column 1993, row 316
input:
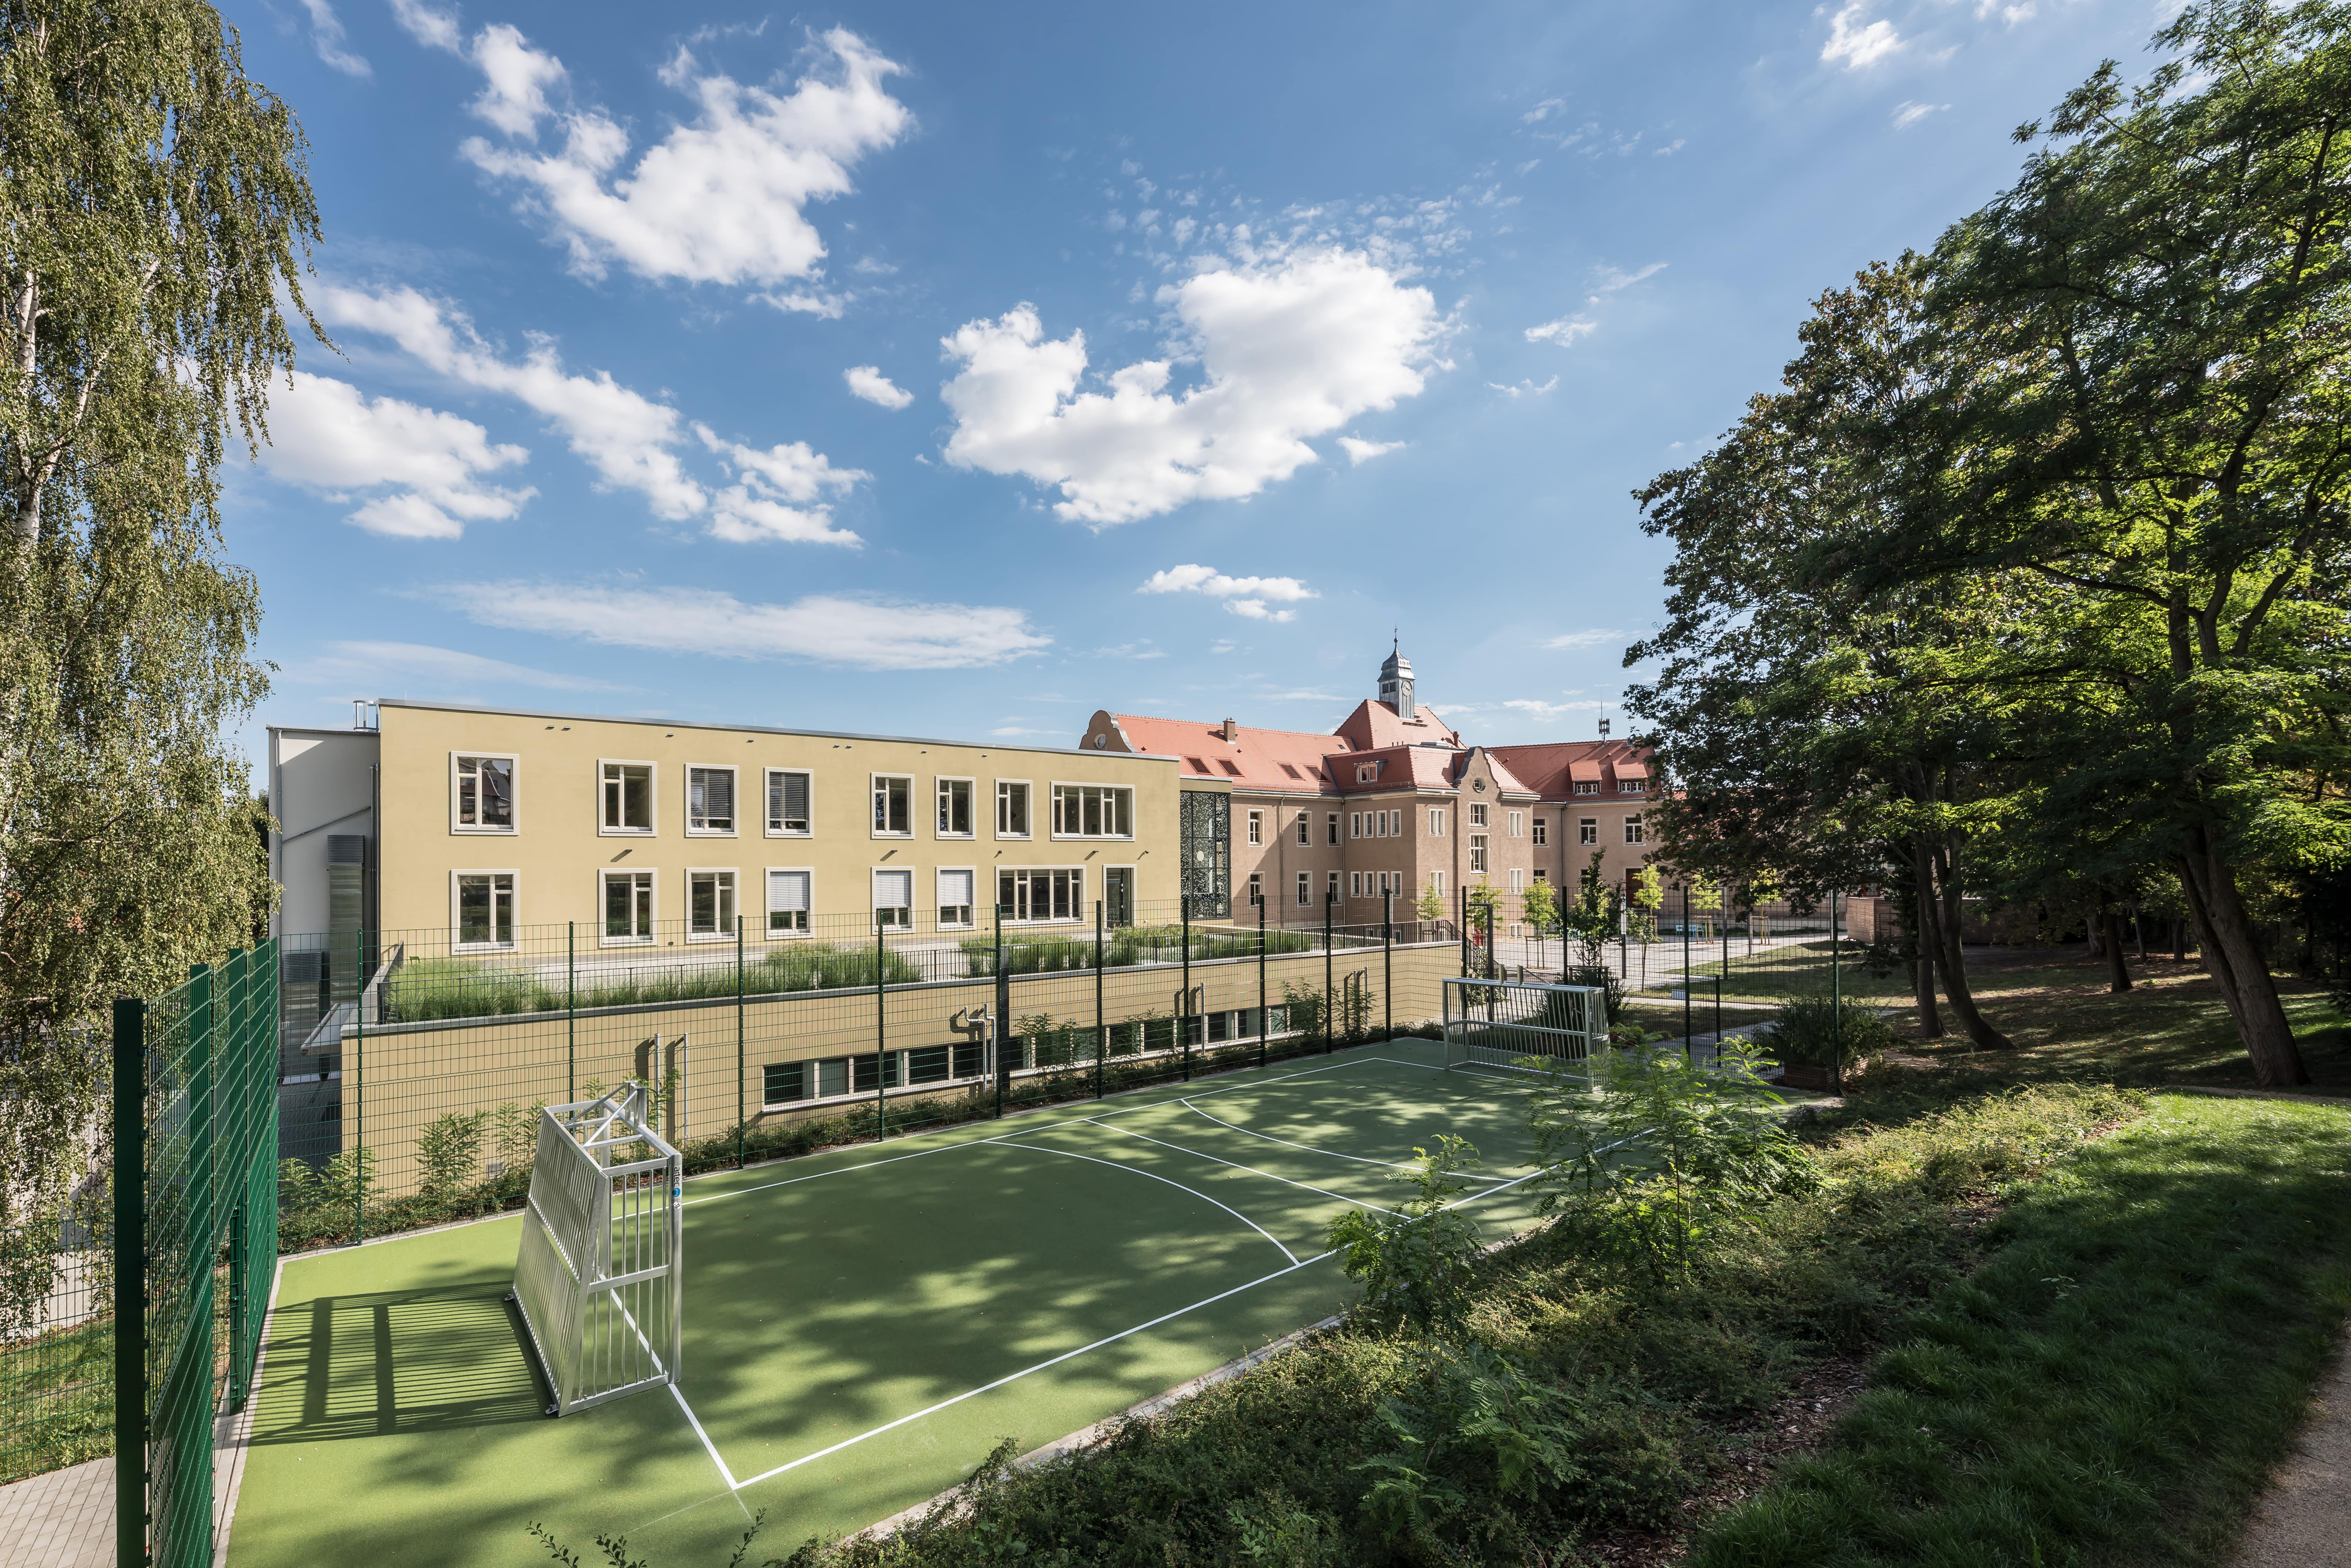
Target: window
column 1334, row 827
column 1633, row 828
column 627, row 906
column 1517, row 879
column 1092, row 812
column 787, row 803
column 1366, row 772
column 1437, row 882
column 1541, row 875
column 1478, row 814
column 1395, row 823
column 1305, row 827
column 1631, row 786
column 954, row 809
column 710, row 801
column 1478, row 852
column 1330, row 888
column 1011, row 810
column 709, row 905
column 1355, row 884
column 1587, row 830
column 484, row 791
column 485, row 908
column 781, row 1082
column 1543, row 831
column 956, row 898
column 1518, row 824
column 628, row 798
column 893, row 899
column 1050, row 894
column 1256, row 831
column 1305, row 889
column 1354, row 824
column 1256, row 890
column 1587, row 786
column 784, row 1082
column 788, row 904
column 893, row 806
column 1436, row 822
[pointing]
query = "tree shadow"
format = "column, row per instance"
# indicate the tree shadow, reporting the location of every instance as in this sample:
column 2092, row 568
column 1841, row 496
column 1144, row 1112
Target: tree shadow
column 398, row 1362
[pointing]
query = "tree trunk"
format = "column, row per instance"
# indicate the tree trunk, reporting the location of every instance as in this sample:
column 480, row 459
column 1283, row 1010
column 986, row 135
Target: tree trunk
column 2110, row 926
column 1942, row 927
column 2178, row 939
column 2232, row 956
column 2138, row 930
column 1922, row 971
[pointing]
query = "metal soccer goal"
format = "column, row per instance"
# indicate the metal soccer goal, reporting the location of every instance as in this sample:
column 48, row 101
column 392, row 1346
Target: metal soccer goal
column 598, row 1277
column 1523, row 1027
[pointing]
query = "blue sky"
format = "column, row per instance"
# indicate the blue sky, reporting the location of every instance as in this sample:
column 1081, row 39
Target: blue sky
column 956, row 369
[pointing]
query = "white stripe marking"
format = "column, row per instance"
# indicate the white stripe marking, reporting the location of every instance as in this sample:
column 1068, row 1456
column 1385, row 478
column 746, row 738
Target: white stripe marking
column 1313, row 1149
column 1252, row 1170
column 1154, row 1176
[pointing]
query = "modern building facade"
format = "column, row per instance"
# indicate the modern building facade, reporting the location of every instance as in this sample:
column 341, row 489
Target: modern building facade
column 1392, row 804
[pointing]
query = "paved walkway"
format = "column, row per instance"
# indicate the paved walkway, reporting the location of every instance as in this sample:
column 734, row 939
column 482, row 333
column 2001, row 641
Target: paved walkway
column 61, row 1520
column 2305, row 1519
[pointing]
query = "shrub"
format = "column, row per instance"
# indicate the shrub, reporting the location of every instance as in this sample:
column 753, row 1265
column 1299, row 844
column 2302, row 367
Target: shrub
column 1820, row 1033
column 1416, row 1262
column 449, row 1153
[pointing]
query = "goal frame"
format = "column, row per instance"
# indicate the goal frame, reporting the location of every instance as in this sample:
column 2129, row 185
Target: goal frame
column 1506, row 1024
column 599, row 1282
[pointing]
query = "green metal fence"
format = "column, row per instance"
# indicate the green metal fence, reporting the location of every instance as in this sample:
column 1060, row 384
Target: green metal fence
column 195, row 1240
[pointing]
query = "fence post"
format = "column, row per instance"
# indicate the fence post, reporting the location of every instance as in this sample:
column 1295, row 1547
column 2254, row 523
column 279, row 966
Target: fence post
column 742, row 1066
column 1688, row 1051
column 1462, row 898
column 130, row 1089
column 1102, row 1040
column 351, row 1082
column 1003, row 1016
column 880, row 1031
column 1837, row 1000
column 238, row 1262
column 570, row 1011
column 1721, row 970
column 1264, row 1018
column 1329, row 1000
column 1387, row 960
column 1184, row 1013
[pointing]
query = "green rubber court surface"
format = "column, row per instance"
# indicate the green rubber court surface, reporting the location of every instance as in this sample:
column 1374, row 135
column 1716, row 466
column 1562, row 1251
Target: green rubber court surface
column 860, row 1327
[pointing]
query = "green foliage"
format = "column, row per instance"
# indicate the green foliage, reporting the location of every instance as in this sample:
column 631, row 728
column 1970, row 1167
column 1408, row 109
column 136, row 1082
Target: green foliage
column 449, row 1153
column 1416, row 1263
column 1823, row 1034
column 1303, row 1007
column 425, row 989
column 1539, row 908
column 322, row 1207
column 1430, row 905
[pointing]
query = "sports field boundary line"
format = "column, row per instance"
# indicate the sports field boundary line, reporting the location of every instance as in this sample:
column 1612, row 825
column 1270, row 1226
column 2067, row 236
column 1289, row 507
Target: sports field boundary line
column 1292, row 1143
column 1234, row 1164
column 1154, row 1176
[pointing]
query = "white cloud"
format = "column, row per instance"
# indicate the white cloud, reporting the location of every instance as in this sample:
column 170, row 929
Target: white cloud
column 1611, row 279
column 1290, row 347
column 516, row 78
column 718, row 200
column 328, row 436
column 1568, row 331
column 778, row 493
column 1141, row 648
column 1907, row 114
column 865, row 633
column 1855, row 46
column 1592, row 639
column 624, row 437
column 435, row 29
column 1526, row 387
column 1543, row 111
column 868, row 382
column 370, row 666
column 1564, row 331
column 327, row 38
column 1243, row 596
column 1360, row 452
column 1546, row 710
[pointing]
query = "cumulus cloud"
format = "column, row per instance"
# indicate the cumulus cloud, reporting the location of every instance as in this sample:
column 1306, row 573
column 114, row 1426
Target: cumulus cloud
column 1288, row 347
column 868, row 382
column 1907, row 114
column 1360, row 452
column 1525, row 388
column 433, row 28
column 327, row 38
column 1590, row 639
column 1567, row 330
column 1564, row 331
column 1243, row 596
column 778, row 494
column 376, row 667
column 424, row 467
column 720, row 199
column 865, row 633
column 1857, row 45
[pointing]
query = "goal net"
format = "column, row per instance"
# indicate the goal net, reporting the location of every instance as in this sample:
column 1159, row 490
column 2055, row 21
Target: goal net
column 1523, row 1027
column 596, row 1279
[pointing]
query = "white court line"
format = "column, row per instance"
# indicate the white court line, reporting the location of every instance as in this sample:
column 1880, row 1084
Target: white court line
column 1154, row 1176
column 1311, row 1148
column 1252, row 1170
column 1015, row 1378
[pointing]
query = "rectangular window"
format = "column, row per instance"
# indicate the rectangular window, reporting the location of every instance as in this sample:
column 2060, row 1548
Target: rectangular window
column 627, row 906
column 1305, row 889
column 1517, row 879
column 1396, row 825
column 485, row 798
column 1542, row 832
column 1587, row 830
column 956, row 898
column 1334, row 827
column 1331, row 887
column 710, row 801
column 788, row 802
column 1633, row 828
column 1631, row 786
column 1478, row 814
column 1305, row 827
column 1011, row 810
column 1477, row 852
column 1518, row 824
column 1437, row 881
column 1257, row 826
column 1256, row 890
column 1355, row 884
column 893, row 806
column 784, row 1082
column 1053, row 893
column 486, row 909
column 709, row 905
column 1587, row 786
column 1354, row 824
column 954, row 809
column 1092, row 812
column 893, row 899
column 628, row 798
column 788, row 903
column 1436, row 822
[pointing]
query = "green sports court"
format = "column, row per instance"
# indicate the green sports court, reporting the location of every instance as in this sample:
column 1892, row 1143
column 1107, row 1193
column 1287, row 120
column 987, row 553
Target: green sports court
column 860, row 1327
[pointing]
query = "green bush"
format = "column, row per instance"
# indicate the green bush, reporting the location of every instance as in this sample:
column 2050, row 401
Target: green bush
column 1819, row 1032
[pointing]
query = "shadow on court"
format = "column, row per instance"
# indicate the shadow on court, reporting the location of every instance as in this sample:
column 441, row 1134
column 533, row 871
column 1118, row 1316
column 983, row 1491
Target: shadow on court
column 398, row 1361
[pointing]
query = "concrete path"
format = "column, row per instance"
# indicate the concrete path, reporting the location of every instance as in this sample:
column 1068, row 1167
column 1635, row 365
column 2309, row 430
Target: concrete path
column 2305, row 1519
column 61, row 1520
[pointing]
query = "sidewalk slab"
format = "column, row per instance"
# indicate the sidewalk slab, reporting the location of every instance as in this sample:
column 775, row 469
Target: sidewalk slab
column 2303, row 1520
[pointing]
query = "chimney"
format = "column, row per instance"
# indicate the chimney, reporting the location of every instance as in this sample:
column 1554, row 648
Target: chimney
column 1232, row 730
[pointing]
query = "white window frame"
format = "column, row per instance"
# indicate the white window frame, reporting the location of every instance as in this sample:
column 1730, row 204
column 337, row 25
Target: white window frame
column 1331, row 887
column 1257, row 826
column 1334, row 829
column 1587, row 786
column 873, row 789
column 1631, row 786
column 1078, row 901
column 1634, row 833
column 1587, row 830
column 1305, row 890
column 1027, row 788
column 514, row 776
column 1368, row 772
column 1478, row 815
column 768, row 907
column 1436, row 822
column 1354, row 824
column 1053, row 808
column 1542, row 833
column 514, row 904
column 1437, row 879
column 726, row 935
column 767, row 823
column 939, row 783
column 734, row 789
column 1305, row 830
column 1477, row 854
column 1518, row 879
column 970, row 921
column 1395, row 823
column 1355, row 884
column 1518, row 824
column 1256, row 889
column 653, row 798
column 874, row 905
column 604, row 874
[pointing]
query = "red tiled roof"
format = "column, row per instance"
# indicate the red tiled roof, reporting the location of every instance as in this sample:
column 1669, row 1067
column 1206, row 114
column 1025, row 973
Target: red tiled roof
column 1550, row 769
column 1400, row 766
column 1375, row 727
column 1278, row 760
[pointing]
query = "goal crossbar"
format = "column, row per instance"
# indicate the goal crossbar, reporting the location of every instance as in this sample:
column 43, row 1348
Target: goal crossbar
column 1523, row 1025
column 597, row 1276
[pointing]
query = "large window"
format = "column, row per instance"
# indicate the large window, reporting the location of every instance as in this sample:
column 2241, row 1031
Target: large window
column 1330, row 888
column 1436, row 822
column 954, row 809
column 709, row 905
column 893, row 806
column 1633, row 828
column 1305, row 827
column 627, row 906
column 1478, row 813
column 710, row 802
column 955, row 889
column 1518, row 824
column 1256, row 890
column 893, row 899
column 1012, row 809
column 787, row 803
column 1334, row 827
column 1055, row 894
column 1542, row 834
column 628, row 798
column 1477, row 852
column 1587, row 830
column 1092, row 812
column 1256, row 830
column 486, row 909
column 788, row 903
column 1305, row 889
column 483, row 788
